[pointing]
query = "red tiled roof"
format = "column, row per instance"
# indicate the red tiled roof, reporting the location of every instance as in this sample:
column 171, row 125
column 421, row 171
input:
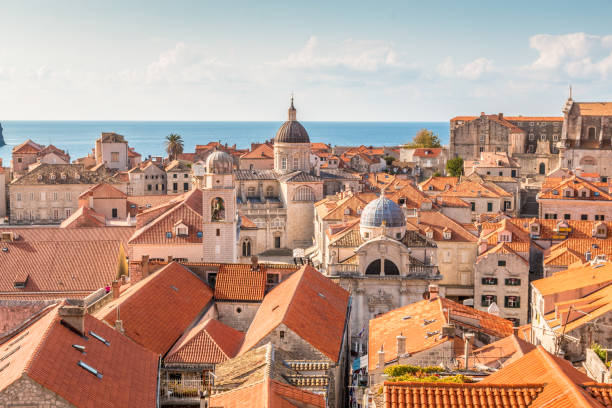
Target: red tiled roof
column 383, row 330
column 246, row 223
column 157, row 310
column 562, row 382
column 59, row 266
column 449, row 395
column 263, row 151
column 499, row 353
column 427, row 151
column 309, row 304
column 595, row 108
column 240, row 282
column 267, row 393
column 575, row 184
column 84, row 217
column 103, row 190
column 438, row 222
column 46, row 355
column 188, row 211
column 27, row 147
column 209, row 342
column 439, row 183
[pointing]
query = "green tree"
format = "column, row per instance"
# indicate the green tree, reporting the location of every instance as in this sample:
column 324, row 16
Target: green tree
column 425, row 138
column 174, row 145
column 454, row 167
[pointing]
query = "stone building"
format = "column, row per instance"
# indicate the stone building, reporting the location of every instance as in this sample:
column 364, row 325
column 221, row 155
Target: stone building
column 112, row 150
column 146, row 179
column 380, row 262
column 586, row 137
column 178, row 175
column 49, row 193
column 29, row 153
column 530, row 140
column 575, row 198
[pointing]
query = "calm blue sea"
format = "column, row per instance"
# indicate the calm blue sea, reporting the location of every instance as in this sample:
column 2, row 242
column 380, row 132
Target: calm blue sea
column 77, row 137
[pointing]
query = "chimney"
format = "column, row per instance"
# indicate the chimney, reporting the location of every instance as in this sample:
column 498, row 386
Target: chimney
column 433, row 291
column 500, row 116
column 73, row 313
column 587, row 256
column 482, row 113
column 169, row 258
column 401, row 345
column 116, row 287
column 466, row 349
column 254, row 263
column 381, row 358
column 119, row 322
column 448, row 330
column 144, row 264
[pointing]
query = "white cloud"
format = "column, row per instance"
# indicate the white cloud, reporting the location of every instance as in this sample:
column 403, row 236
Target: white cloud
column 472, row 70
column 576, row 55
column 184, row 64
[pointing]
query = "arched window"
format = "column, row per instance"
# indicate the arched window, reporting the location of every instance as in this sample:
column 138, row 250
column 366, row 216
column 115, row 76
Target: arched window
column 269, row 191
column 217, row 209
column 542, row 168
column 303, row 193
column 246, row 247
column 374, row 268
column 251, row 191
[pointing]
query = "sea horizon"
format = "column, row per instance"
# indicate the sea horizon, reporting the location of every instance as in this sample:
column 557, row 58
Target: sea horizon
column 77, row 137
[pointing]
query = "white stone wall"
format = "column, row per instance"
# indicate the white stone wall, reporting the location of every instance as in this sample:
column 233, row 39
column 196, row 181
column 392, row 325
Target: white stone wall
column 238, row 315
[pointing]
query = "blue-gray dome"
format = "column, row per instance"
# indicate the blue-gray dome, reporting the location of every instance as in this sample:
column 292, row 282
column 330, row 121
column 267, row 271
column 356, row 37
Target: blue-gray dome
column 382, row 209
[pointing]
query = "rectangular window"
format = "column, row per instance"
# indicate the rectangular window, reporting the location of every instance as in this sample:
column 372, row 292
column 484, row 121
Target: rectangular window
column 513, row 302
column 174, row 175
column 218, row 233
column 43, row 196
column 55, row 196
column 584, row 217
column 507, row 205
column 599, row 217
column 67, row 195
column 296, row 163
column 114, row 157
column 31, row 196
column 186, row 186
column 489, row 207
column 114, row 213
column 566, row 216
column 68, row 212
column 486, row 300
column 473, row 205
column 501, row 263
column 489, row 281
column 284, row 163
column 149, row 187
column 513, row 282
column 175, row 186
column 277, row 242
column 549, row 216
column 18, row 196
column 531, row 136
column 55, row 214
column 513, row 173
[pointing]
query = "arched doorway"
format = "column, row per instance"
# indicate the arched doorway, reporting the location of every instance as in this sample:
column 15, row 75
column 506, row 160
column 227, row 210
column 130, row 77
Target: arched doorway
column 542, row 168
column 374, row 268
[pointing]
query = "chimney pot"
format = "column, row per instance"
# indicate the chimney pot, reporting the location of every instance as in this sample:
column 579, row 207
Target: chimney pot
column 116, row 288
column 500, row 115
column 169, row 258
column 254, row 263
column 401, row 345
column 433, row 291
column 381, row 358
column 145, row 266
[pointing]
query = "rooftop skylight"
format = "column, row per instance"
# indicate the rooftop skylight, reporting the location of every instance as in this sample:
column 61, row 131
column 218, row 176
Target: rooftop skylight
column 90, row 368
column 100, row 338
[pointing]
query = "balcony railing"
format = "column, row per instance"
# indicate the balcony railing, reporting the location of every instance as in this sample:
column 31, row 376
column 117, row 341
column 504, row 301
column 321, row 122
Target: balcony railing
column 181, row 389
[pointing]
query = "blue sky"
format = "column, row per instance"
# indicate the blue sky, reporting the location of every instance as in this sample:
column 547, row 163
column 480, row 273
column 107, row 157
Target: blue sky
column 222, row 60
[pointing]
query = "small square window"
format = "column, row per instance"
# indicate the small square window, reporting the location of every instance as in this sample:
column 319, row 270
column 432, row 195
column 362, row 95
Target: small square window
column 199, row 234
column 218, row 232
column 168, row 235
column 501, row 263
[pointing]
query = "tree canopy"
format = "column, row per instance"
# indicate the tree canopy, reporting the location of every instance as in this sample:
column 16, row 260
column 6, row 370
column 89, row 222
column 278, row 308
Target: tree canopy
column 174, row 145
column 425, row 138
column 454, row 167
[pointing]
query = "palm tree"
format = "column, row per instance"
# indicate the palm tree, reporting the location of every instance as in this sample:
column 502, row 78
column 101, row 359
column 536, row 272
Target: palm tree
column 174, row 145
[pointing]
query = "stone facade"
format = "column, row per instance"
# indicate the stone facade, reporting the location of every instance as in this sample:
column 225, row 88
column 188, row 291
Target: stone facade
column 26, row 393
column 147, row 179
column 112, row 150
column 505, row 278
column 238, row 315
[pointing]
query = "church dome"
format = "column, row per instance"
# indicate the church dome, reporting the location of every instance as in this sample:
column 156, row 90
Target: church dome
column 382, row 209
column 219, row 162
column 292, row 131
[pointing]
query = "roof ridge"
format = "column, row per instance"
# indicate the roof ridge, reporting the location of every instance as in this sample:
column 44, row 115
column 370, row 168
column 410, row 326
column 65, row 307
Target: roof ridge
column 558, row 372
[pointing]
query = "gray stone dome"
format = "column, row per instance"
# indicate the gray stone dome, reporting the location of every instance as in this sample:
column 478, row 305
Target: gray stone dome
column 382, row 209
column 292, row 131
column 219, row 162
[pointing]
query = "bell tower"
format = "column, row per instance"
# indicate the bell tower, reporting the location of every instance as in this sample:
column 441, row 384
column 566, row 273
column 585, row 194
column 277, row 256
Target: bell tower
column 219, row 212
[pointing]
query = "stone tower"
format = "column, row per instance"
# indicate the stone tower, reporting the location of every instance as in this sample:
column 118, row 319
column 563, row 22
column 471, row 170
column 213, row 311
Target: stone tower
column 219, row 212
column 291, row 145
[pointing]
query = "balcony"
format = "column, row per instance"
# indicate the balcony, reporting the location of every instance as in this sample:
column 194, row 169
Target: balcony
column 181, row 392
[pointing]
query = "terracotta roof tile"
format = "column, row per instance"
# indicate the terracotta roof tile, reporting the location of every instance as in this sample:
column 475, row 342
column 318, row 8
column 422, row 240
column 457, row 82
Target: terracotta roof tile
column 595, row 108
column 383, row 330
column 438, row 222
column 263, row 151
column 27, row 147
column 443, row 395
column 562, row 382
column 84, row 217
column 309, row 304
column 427, row 151
column 45, row 354
column 439, row 183
column 556, row 191
column 157, row 310
column 499, row 353
column 208, row 342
